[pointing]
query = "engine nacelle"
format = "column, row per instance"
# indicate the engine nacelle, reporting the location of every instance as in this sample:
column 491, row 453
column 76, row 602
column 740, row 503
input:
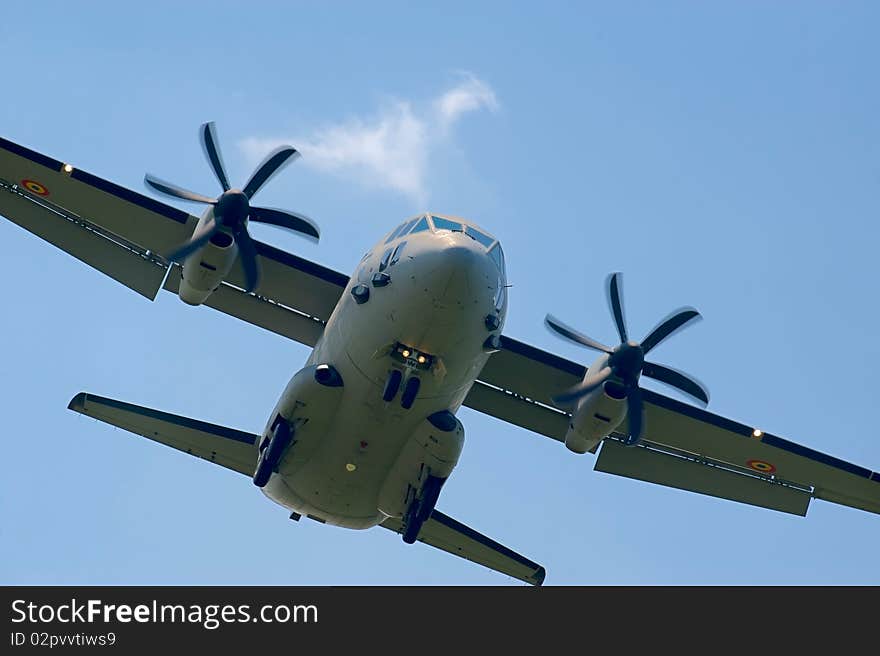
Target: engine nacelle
column 204, row 270
column 595, row 416
column 433, row 449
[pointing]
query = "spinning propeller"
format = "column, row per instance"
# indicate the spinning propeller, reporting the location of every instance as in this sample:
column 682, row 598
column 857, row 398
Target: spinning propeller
column 232, row 209
column 626, row 362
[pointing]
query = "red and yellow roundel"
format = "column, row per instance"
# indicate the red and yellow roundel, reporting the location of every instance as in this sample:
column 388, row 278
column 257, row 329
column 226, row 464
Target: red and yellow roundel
column 35, row 187
column 762, row 466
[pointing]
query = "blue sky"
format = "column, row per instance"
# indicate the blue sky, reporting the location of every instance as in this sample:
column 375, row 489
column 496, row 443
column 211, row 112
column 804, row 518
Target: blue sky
column 720, row 155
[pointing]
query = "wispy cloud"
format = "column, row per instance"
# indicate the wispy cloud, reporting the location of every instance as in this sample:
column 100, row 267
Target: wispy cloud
column 392, row 149
column 472, row 94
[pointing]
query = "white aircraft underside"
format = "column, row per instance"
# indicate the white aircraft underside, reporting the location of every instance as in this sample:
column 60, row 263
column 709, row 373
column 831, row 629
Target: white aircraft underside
column 365, row 433
column 355, row 456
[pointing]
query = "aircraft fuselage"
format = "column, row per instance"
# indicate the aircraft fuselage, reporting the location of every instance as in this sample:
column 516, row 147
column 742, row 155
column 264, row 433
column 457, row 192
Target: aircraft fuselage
column 356, row 458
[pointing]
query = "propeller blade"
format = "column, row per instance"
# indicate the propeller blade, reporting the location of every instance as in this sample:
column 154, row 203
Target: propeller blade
column 583, row 388
column 248, row 252
column 177, row 192
column 209, row 144
column 560, row 328
column 634, row 415
column 284, row 219
column 677, row 379
column 614, row 291
column 199, row 239
column 670, row 325
column 273, row 163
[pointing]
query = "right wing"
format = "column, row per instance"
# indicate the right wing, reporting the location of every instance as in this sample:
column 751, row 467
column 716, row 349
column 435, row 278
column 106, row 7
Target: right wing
column 124, row 235
column 106, row 226
column 443, row 532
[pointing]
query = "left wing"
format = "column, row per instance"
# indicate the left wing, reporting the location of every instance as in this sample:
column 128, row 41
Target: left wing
column 516, row 385
column 443, row 532
column 683, row 446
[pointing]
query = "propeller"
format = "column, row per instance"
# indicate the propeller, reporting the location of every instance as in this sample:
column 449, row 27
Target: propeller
column 626, row 362
column 232, row 208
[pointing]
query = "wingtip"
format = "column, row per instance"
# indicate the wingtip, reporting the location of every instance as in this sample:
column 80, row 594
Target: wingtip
column 538, row 577
column 78, row 402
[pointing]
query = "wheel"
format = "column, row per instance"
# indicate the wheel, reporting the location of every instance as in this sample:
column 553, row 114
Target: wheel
column 280, row 439
column 264, row 471
column 410, row 390
column 271, row 456
column 430, row 494
column 392, row 385
column 412, row 524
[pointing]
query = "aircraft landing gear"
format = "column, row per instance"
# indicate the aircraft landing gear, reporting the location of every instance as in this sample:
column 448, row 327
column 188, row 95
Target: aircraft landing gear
column 392, row 384
column 420, row 509
column 410, row 390
column 282, row 436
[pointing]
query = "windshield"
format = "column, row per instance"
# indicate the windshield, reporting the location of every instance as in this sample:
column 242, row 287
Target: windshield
column 441, row 223
column 497, row 256
column 484, row 239
column 402, row 229
column 445, row 224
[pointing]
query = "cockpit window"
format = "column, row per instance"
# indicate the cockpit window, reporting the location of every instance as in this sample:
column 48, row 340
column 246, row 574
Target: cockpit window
column 401, row 229
column 485, row 240
column 386, row 256
column 500, row 293
column 421, row 226
column 498, row 257
column 394, row 234
column 398, row 251
column 445, row 224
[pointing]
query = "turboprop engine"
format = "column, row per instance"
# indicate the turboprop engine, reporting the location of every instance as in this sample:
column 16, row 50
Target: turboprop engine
column 596, row 416
column 205, row 269
column 612, row 382
column 222, row 233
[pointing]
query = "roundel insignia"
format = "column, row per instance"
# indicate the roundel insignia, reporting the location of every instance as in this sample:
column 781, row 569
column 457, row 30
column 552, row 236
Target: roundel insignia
column 762, row 466
column 35, row 187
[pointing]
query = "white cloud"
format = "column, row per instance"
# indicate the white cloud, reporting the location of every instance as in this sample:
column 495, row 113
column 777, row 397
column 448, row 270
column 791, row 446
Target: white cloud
column 392, row 149
column 469, row 96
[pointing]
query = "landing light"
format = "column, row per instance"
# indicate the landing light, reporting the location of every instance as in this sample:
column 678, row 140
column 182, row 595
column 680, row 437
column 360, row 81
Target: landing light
column 67, row 169
column 412, row 357
column 757, row 433
column 350, row 467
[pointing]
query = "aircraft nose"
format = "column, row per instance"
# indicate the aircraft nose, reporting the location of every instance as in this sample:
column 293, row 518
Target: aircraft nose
column 458, row 291
column 453, row 272
column 460, row 259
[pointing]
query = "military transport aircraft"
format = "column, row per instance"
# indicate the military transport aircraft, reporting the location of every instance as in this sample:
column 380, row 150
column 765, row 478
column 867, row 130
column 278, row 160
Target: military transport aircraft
column 365, row 434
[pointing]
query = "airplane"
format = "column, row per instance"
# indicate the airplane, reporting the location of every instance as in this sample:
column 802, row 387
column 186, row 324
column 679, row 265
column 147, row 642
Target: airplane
column 366, row 434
